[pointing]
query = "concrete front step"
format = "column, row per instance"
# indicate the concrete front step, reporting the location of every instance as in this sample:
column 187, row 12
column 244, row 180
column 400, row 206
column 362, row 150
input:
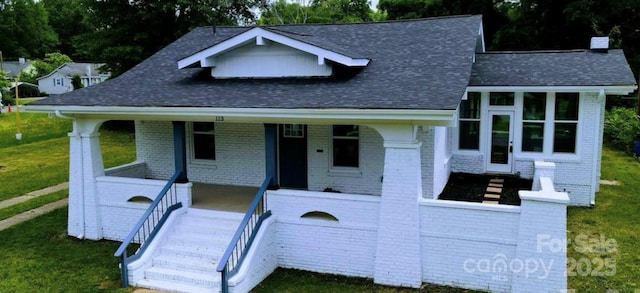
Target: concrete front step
column 191, row 264
column 193, row 239
column 178, row 250
column 169, row 286
column 184, row 277
column 186, row 259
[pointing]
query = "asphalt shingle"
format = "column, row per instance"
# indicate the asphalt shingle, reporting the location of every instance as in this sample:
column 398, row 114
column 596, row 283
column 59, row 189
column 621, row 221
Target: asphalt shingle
column 415, row 64
column 552, row 68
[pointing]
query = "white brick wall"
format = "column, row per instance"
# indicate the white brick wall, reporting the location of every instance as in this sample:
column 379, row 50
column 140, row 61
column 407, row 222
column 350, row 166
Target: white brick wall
column 261, row 260
column 345, row 247
column 118, row 215
column 365, row 180
column 457, row 237
column 154, row 146
column 240, row 158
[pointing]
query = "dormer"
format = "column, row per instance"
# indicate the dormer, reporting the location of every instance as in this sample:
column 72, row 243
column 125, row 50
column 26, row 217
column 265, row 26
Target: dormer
column 271, row 53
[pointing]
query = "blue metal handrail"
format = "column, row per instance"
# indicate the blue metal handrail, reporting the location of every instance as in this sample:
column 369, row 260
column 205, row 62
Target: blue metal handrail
column 148, row 226
column 245, row 234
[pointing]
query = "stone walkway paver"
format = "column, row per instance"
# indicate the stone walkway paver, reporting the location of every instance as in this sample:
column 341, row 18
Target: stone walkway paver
column 33, row 194
column 28, row 215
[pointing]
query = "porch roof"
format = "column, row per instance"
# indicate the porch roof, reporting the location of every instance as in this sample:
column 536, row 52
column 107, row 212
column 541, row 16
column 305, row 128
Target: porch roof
column 415, row 65
column 572, row 68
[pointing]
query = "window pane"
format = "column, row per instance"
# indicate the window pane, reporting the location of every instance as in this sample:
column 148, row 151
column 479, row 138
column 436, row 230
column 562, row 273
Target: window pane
column 204, row 146
column 501, row 99
column 532, row 137
column 534, row 106
column 567, row 106
column 469, row 135
column 346, row 152
column 471, row 107
column 564, row 138
column 203, row 127
column 345, row 130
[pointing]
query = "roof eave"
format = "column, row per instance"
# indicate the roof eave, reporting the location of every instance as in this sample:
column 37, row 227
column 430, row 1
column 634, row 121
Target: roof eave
column 256, row 115
column 609, row 89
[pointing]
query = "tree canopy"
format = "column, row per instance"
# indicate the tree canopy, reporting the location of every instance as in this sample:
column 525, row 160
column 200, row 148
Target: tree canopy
column 317, row 11
column 24, row 29
column 121, row 33
column 124, row 32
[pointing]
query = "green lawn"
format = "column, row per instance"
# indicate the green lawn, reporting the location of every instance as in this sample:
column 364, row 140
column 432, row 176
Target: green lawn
column 601, row 265
column 34, row 127
column 41, row 158
column 37, row 256
column 37, row 165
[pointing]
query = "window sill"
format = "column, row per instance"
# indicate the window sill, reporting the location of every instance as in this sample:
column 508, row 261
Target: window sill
column 345, row 172
column 204, row 163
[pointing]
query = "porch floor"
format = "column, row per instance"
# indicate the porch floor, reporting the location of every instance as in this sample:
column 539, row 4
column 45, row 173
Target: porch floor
column 218, row 197
column 485, row 188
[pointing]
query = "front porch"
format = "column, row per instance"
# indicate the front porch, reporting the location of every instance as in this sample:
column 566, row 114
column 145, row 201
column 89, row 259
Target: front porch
column 219, row 197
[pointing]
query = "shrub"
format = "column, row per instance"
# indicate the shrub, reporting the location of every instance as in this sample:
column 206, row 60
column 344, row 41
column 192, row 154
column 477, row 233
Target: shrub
column 621, row 128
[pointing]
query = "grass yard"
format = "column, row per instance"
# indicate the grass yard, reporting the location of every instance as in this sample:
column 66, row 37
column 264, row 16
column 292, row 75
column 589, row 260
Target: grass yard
column 37, row 256
column 37, row 165
column 596, row 261
column 41, row 158
column 33, row 126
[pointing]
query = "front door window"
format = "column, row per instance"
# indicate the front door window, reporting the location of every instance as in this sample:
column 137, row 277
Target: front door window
column 501, row 142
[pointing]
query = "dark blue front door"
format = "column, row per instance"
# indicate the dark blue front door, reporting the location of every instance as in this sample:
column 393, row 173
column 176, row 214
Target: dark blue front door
column 293, row 156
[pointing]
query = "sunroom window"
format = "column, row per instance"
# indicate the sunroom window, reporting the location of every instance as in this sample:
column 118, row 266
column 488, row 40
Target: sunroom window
column 565, row 122
column 346, row 146
column 469, row 136
column 204, row 141
column 533, row 118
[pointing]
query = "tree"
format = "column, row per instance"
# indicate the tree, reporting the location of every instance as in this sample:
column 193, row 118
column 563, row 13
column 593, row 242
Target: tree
column 318, row 11
column 124, row 32
column 42, row 67
column 76, row 82
column 493, row 15
column 25, row 29
column 67, row 19
column 5, row 97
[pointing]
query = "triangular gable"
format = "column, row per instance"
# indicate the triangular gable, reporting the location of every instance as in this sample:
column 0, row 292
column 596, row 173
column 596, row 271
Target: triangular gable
column 206, row 57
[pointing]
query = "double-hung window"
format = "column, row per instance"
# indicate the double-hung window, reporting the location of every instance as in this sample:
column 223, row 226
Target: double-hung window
column 204, row 141
column 346, row 146
column 533, row 122
column 565, row 125
column 469, row 136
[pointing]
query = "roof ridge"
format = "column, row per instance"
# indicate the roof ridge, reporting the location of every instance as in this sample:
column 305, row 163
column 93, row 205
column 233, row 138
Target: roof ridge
column 349, row 23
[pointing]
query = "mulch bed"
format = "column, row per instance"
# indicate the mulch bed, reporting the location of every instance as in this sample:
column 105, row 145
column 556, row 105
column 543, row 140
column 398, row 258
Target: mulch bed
column 472, row 187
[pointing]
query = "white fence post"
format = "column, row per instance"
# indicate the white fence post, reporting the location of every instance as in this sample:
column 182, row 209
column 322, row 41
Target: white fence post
column 541, row 251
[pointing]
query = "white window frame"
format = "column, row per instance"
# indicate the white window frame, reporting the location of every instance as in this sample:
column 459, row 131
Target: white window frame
column 455, row 138
column 192, row 156
column 345, row 170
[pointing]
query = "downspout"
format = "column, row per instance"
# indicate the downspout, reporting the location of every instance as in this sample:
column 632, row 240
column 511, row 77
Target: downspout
column 596, row 146
column 81, row 179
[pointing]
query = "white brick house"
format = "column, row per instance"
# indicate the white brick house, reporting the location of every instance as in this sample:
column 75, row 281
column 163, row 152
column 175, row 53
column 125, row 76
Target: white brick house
column 355, row 128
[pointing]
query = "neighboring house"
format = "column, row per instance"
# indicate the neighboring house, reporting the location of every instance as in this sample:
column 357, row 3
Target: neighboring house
column 59, row 80
column 14, row 68
column 380, row 112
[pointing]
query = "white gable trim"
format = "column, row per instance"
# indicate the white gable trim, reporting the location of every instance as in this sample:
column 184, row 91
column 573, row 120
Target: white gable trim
column 259, row 35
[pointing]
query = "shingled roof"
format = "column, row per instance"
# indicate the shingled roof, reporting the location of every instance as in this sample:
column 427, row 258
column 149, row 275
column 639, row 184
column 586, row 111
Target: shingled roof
column 415, row 64
column 552, row 68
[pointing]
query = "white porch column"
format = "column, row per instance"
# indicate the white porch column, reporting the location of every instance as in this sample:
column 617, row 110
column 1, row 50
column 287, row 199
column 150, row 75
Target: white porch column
column 398, row 260
column 85, row 164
